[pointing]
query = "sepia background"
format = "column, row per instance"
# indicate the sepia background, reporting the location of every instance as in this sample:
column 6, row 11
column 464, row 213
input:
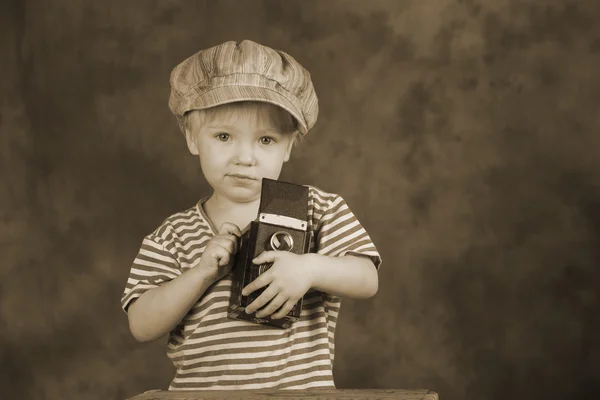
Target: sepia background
column 464, row 134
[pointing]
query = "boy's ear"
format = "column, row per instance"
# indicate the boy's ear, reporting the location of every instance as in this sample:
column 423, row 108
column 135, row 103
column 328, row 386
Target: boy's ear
column 191, row 142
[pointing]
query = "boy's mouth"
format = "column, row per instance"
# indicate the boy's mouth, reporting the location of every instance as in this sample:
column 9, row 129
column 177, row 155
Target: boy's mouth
column 239, row 176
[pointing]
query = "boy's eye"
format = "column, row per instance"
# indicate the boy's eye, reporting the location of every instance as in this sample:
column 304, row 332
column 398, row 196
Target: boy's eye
column 223, row 137
column 266, row 140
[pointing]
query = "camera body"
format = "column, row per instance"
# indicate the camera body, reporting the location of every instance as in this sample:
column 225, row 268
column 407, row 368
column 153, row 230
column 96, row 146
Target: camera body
column 281, row 225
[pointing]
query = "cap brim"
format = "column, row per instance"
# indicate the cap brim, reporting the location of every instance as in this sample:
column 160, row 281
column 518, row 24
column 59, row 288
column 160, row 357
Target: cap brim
column 233, row 94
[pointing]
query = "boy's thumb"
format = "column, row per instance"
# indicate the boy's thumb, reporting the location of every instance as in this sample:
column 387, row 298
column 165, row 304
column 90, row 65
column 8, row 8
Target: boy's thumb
column 228, row 228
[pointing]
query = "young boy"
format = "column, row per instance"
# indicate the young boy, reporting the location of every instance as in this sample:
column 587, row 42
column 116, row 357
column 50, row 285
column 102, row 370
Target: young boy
column 242, row 106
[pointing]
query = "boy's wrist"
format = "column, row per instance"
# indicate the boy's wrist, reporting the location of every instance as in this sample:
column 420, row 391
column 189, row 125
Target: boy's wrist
column 314, row 267
column 203, row 275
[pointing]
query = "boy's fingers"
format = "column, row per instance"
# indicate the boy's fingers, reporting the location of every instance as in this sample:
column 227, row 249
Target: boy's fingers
column 284, row 310
column 220, row 255
column 273, row 306
column 262, row 281
column 228, row 242
column 224, row 260
column 261, row 300
column 228, row 228
column 236, row 243
column 265, row 257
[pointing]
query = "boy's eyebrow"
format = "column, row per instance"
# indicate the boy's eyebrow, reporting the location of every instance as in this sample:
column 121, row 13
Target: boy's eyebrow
column 268, row 130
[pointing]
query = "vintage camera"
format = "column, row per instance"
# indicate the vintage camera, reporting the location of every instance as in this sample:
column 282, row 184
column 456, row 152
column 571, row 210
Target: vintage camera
column 281, row 225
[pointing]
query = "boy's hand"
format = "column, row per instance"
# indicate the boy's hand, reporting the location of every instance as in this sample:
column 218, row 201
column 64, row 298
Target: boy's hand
column 288, row 279
column 217, row 258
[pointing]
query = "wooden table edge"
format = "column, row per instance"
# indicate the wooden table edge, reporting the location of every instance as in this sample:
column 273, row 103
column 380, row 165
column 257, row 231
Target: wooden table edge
column 363, row 394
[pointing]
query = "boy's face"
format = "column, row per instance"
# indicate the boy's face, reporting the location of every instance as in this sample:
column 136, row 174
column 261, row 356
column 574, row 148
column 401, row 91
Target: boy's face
column 238, row 149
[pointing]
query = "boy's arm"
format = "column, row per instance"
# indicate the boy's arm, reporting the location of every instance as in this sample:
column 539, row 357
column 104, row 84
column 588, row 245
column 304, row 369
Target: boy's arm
column 158, row 311
column 346, row 276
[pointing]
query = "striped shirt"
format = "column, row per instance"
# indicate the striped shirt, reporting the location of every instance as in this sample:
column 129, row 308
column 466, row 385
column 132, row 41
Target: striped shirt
column 211, row 351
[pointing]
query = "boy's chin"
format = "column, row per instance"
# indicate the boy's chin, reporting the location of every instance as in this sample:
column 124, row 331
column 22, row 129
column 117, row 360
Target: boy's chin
column 241, row 194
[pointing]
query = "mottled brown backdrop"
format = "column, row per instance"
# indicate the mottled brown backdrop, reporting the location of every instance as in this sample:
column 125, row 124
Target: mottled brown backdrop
column 464, row 134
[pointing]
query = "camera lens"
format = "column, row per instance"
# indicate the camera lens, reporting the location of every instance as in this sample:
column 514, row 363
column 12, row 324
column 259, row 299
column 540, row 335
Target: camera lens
column 282, row 241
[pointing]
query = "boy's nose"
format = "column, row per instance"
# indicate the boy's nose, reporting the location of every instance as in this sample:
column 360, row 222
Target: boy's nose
column 245, row 154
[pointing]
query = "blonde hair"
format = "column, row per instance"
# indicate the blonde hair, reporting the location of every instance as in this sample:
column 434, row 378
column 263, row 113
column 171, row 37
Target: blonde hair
column 280, row 118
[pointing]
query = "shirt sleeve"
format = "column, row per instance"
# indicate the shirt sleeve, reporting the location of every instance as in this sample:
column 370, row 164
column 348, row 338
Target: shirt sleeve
column 153, row 266
column 340, row 233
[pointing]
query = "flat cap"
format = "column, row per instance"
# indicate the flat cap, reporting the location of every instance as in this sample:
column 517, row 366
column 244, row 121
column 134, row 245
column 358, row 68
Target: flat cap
column 245, row 71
